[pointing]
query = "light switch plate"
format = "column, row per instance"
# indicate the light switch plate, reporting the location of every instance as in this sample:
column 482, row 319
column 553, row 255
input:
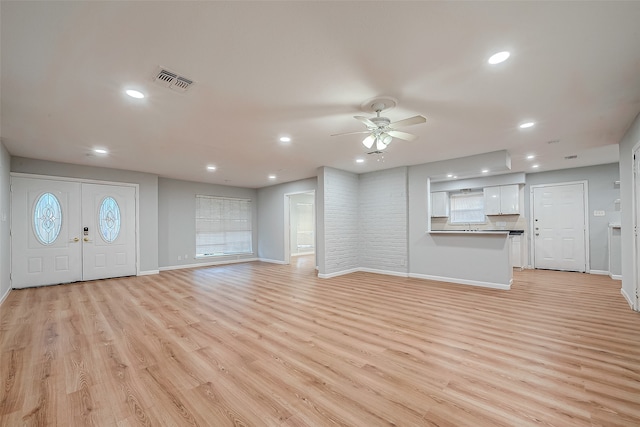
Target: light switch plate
column 598, row 213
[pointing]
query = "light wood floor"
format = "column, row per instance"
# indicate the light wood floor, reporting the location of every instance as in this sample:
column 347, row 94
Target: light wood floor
column 260, row 344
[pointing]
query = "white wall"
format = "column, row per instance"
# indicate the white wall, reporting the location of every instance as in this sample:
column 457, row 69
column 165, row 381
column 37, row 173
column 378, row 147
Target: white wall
column 271, row 216
column 462, row 259
column 629, row 259
column 382, row 218
column 5, row 221
column 341, row 230
column 177, row 220
column 148, row 185
column 602, row 196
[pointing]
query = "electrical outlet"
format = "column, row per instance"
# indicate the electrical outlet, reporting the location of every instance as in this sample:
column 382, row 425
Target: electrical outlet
column 598, row 213
column 186, row 256
column 179, row 258
column 402, row 262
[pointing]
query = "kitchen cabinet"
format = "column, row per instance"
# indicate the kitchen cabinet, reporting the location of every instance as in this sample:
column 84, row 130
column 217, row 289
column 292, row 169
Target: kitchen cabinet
column 440, row 204
column 517, row 250
column 502, row 200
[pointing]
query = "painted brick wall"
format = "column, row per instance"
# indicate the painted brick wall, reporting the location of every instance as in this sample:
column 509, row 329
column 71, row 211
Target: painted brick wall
column 340, row 220
column 382, row 211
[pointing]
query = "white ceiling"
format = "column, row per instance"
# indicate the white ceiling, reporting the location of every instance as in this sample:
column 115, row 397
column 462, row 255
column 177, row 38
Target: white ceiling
column 266, row 69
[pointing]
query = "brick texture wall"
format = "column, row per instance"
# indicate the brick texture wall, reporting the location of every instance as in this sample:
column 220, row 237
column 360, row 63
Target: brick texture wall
column 382, row 213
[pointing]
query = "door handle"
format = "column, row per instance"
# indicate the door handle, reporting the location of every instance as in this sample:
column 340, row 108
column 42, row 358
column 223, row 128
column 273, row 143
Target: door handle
column 75, row 239
column 86, row 239
column 537, row 234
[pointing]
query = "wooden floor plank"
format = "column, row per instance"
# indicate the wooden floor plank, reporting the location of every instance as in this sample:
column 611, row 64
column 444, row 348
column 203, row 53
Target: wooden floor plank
column 263, row 344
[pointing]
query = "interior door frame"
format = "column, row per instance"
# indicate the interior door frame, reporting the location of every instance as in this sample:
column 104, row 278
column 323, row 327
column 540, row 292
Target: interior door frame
column 287, row 223
column 87, row 181
column 635, row 218
column 585, row 198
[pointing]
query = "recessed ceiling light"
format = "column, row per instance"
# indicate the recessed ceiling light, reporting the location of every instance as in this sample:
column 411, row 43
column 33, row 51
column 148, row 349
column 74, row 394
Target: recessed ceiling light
column 359, row 160
column 535, row 166
column 531, row 157
column 134, row 93
column 455, row 176
column 211, row 168
column 499, row 57
column 100, row 151
column 485, row 170
column 526, row 125
column 285, row 139
column 272, row 177
column 450, row 175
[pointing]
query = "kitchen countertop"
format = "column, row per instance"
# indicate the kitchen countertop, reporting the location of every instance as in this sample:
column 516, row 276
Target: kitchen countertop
column 483, row 232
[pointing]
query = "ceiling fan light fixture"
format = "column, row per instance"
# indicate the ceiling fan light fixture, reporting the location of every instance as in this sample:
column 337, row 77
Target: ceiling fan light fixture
column 382, row 141
column 368, row 141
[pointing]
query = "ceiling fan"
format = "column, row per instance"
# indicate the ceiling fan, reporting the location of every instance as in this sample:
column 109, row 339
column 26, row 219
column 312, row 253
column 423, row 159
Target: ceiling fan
column 381, row 130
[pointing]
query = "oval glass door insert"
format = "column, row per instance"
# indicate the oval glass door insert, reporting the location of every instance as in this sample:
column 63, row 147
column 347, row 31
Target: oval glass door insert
column 47, row 218
column 109, row 219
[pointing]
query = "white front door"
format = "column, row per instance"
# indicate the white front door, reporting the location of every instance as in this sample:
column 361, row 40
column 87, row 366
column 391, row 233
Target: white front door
column 63, row 231
column 109, row 246
column 559, row 227
column 46, row 243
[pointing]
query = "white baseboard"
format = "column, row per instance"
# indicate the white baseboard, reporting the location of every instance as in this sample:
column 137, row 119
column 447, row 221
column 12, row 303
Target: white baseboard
column 628, row 298
column 272, row 261
column 4, row 297
column 148, row 272
column 207, row 264
column 491, row 285
column 599, row 272
column 338, row 273
column 615, row 276
column 303, row 253
column 385, row 272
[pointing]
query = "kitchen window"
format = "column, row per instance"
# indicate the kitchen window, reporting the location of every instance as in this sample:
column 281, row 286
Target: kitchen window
column 466, row 208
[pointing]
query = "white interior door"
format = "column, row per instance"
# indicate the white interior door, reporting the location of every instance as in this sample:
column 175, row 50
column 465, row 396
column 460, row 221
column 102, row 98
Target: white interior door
column 64, row 231
column 45, row 232
column 636, row 224
column 109, row 241
column 559, row 227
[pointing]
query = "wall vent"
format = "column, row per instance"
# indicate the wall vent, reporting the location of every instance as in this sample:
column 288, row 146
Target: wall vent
column 573, row 156
column 172, row 80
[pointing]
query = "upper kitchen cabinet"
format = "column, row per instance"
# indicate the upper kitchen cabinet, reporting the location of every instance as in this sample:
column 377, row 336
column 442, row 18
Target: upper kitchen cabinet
column 502, row 200
column 440, row 204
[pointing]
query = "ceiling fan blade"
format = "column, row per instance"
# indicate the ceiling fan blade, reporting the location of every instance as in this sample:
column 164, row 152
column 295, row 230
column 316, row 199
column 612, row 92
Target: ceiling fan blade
column 351, row 133
column 366, row 121
column 408, row 122
column 402, row 135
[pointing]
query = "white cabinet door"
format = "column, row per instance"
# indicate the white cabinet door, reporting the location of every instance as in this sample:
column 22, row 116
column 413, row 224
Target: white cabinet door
column 502, row 200
column 509, row 199
column 491, row 200
column 440, row 204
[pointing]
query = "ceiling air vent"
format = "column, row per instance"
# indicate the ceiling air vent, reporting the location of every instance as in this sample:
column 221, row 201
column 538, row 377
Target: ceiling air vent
column 573, row 156
column 172, row 80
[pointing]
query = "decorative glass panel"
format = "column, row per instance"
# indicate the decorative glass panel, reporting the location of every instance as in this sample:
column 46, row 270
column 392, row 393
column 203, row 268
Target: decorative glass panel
column 109, row 219
column 47, row 218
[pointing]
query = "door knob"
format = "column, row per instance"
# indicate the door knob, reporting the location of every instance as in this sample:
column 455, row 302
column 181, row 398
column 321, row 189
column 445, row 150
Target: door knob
column 75, row 239
column 86, row 239
column 537, row 234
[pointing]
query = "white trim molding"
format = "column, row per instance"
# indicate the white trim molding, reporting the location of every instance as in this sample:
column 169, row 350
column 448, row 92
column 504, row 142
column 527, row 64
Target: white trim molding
column 599, row 272
column 385, row 272
column 616, row 276
column 628, row 298
column 207, row 264
column 337, row 273
column 4, row 297
column 491, row 285
column 148, row 272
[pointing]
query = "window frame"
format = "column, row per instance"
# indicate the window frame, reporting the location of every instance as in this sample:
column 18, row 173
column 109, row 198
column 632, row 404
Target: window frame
column 452, row 211
column 224, row 230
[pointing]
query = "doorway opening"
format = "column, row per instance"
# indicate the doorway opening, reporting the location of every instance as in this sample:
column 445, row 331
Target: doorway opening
column 300, row 225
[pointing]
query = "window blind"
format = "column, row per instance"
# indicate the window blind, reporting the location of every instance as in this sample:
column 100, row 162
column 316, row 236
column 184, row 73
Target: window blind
column 223, row 226
column 467, row 208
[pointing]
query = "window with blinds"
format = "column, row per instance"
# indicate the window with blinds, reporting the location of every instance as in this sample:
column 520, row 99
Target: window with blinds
column 467, row 208
column 223, row 226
